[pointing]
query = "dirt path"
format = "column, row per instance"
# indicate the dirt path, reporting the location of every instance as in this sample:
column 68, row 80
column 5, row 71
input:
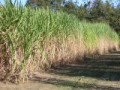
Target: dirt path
column 95, row 73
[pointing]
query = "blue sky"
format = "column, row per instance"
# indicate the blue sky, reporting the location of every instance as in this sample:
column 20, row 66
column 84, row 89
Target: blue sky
column 79, row 1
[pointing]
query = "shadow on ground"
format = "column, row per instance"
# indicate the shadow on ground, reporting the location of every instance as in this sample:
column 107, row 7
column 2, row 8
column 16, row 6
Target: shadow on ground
column 104, row 67
column 74, row 85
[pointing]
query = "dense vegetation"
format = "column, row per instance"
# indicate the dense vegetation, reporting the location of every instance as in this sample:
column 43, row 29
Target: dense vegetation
column 31, row 39
column 94, row 11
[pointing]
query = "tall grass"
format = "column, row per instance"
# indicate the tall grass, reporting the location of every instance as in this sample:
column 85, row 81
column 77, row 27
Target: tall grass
column 33, row 39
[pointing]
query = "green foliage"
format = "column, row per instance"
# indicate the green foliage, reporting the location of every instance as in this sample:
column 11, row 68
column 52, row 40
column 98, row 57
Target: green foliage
column 56, row 4
column 96, row 12
column 104, row 12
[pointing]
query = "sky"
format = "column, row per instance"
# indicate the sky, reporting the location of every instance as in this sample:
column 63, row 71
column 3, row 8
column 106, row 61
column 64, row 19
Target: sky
column 22, row 1
column 79, row 1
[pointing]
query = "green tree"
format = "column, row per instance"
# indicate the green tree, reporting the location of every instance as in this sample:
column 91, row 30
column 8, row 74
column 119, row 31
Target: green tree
column 96, row 11
column 44, row 3
column 70, row 8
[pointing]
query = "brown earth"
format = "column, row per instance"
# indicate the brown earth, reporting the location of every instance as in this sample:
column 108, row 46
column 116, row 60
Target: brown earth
column 94, row 73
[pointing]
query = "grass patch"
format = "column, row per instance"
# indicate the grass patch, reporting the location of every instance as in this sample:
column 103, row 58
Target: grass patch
column 37, row 38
